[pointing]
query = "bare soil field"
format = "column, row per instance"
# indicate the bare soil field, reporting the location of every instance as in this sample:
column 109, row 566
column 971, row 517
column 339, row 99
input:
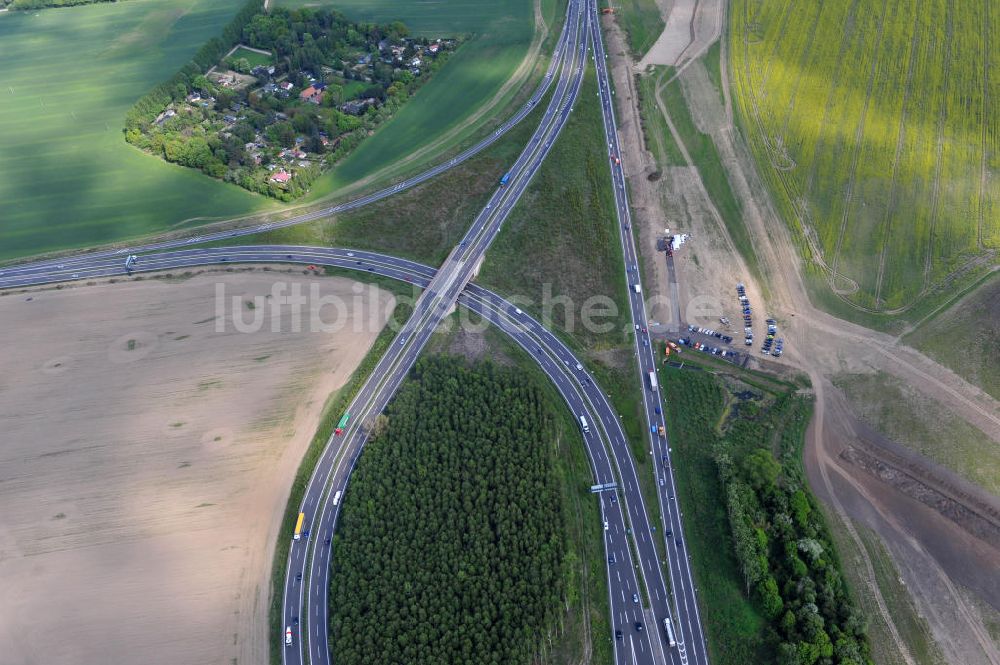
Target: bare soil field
column 940, row 531
column 146, row 453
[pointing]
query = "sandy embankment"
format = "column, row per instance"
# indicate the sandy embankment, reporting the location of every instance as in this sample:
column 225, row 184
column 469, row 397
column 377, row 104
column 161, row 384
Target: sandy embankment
column 145, row 460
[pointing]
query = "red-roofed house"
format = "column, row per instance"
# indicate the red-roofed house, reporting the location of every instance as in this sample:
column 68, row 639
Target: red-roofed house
column 281, row 176
column 311, row 94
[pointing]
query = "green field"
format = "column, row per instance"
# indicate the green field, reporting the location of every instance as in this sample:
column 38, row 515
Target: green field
column 67, row 177
column 876, row 127
column 500, row 33
column 253, row 57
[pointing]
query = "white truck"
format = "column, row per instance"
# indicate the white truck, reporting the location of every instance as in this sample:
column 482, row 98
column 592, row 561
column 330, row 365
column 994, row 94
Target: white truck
column 652, row 380
column 669, row 627
column 584, row 425
column 288, row 636
column 637, row 287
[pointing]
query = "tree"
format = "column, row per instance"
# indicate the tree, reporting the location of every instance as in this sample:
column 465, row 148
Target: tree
column 242, row 65
column 801, row 509
column 398, row 31
column 761, row 469
column 282, row 133
column 202, row 84
column 770, row 598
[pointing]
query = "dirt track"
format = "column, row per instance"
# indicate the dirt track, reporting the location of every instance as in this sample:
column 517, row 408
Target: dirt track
column 935, row 549
column 144, row 466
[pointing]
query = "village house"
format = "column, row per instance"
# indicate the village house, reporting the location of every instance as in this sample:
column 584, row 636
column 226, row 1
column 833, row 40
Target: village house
column 281, row 177
column 313, row 94
column 166, row 115
column 357, row 106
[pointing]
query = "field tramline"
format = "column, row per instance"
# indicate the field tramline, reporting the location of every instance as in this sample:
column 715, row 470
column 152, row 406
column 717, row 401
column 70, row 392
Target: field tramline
column 874, row 124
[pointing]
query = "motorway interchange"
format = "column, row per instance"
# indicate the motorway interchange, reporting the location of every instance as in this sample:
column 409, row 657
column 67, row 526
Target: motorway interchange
column 637, row 550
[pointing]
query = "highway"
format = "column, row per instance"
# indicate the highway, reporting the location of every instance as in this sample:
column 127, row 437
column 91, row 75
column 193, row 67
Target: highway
column 634, row 565
column 685, row 614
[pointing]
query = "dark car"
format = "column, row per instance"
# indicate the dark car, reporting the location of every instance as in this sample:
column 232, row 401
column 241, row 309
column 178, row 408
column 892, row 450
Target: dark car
column 298, row 577
column 678, row 541
column 611, row 558
column 618, row 635
column 669, row 533
column 295, row 621
column 638, row 626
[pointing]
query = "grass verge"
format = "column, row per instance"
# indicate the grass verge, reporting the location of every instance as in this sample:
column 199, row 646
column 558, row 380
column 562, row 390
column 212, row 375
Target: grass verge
column 723, row 431
column 559, row 249
column 734, row 627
